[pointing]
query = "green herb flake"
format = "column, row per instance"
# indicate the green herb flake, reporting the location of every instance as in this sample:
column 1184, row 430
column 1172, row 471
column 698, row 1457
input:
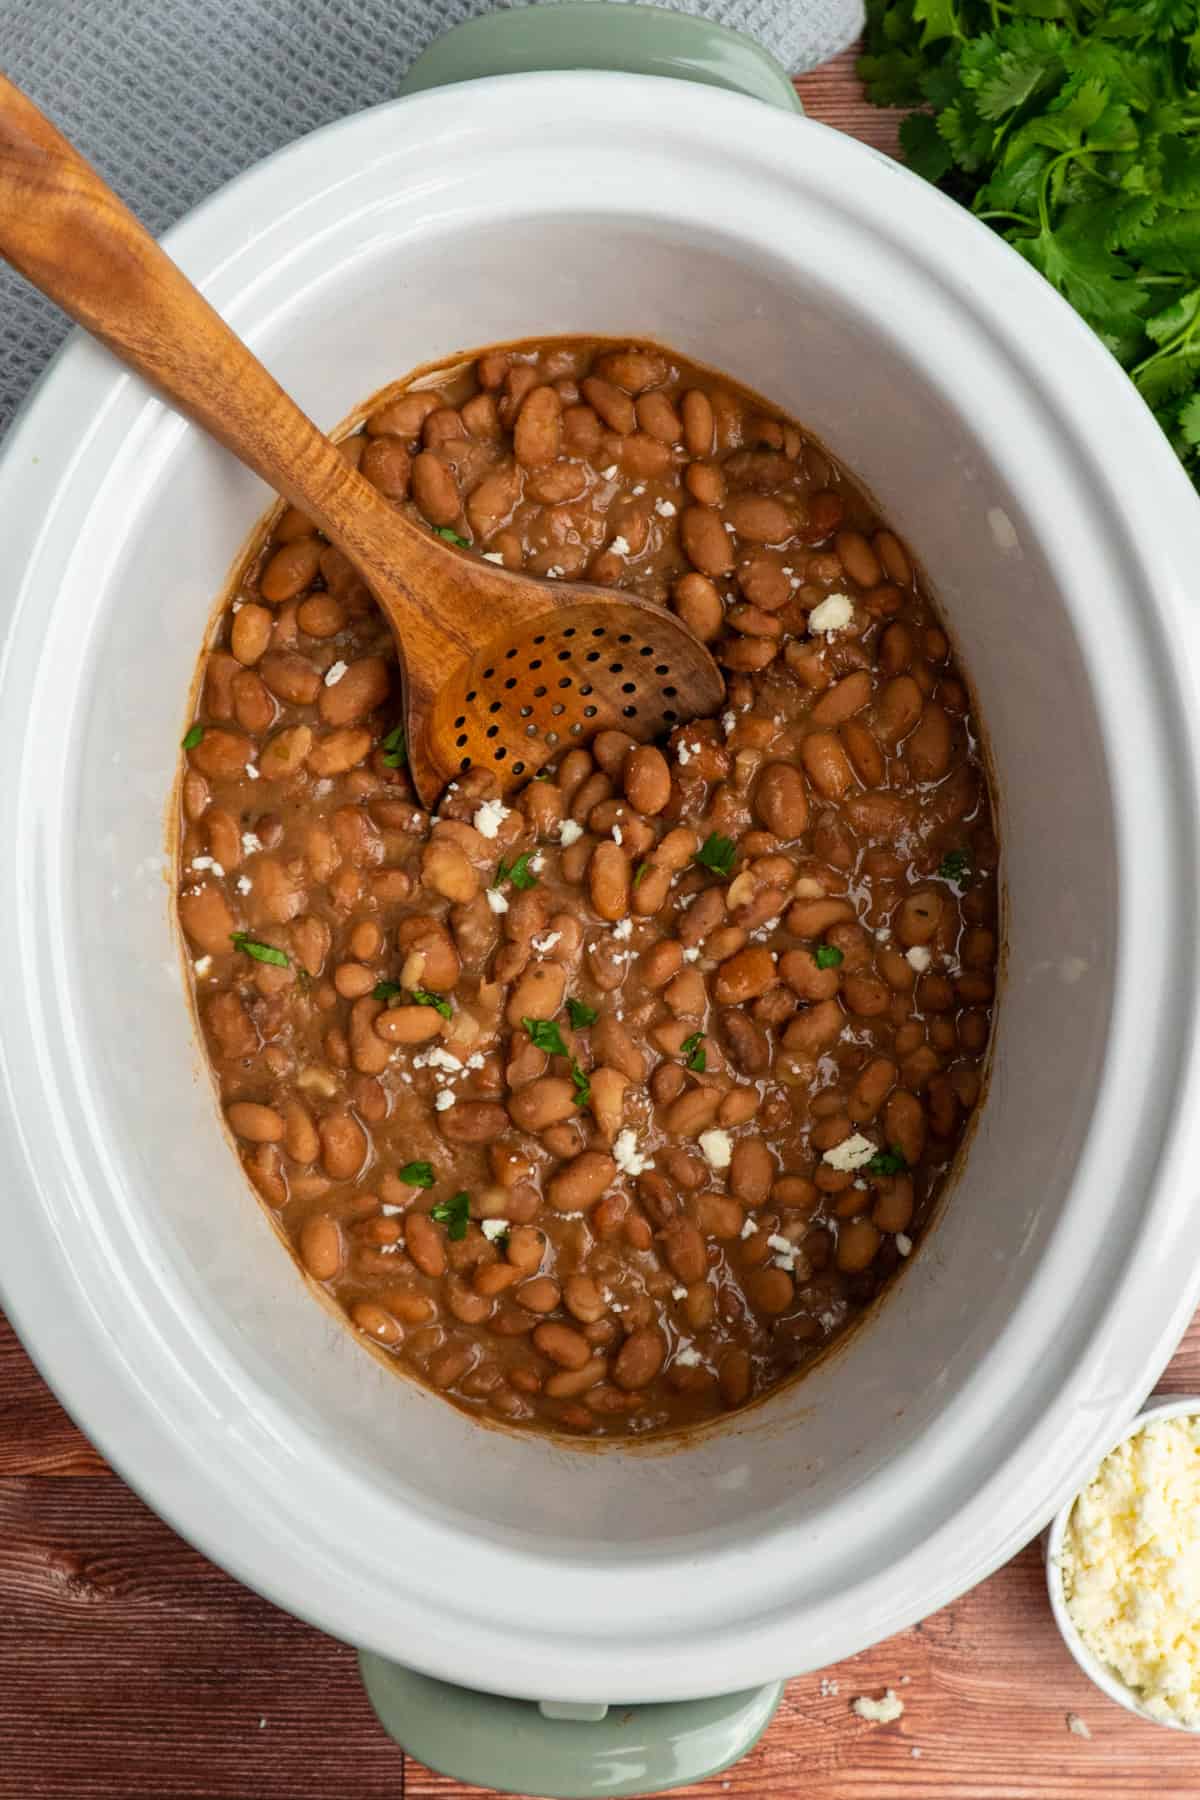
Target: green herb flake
column 417, row 1174
column 451, row 537
column 694, row 1054
column 581, row 1015
column 422, row 997
column 193, row 736
column 888, row 1162
column 954, row 865
column 386, row 990
column 454, row 1214
column 583, row 1087
column 1073, row 130
column 517, row 871
column 395, row 749
column 826, row 956
column 717, row 853
column 640, row 874
column 263, row 953
column 545, row 1035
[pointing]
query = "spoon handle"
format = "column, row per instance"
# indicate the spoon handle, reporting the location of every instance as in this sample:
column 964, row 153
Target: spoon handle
column 63, row 228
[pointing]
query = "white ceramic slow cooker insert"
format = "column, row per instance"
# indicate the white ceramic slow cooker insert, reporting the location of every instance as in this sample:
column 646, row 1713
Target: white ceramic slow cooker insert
column 1006, row 446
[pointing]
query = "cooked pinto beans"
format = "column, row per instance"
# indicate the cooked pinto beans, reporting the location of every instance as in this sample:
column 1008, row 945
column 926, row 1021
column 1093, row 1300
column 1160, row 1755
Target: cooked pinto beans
column 608, row 1108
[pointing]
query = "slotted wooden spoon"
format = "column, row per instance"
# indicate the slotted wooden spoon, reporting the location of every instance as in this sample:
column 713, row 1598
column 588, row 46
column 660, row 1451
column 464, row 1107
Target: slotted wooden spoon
column 500, row 671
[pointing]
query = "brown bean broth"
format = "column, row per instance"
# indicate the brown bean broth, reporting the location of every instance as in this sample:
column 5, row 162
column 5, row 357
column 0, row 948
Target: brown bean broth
column 620, row 1301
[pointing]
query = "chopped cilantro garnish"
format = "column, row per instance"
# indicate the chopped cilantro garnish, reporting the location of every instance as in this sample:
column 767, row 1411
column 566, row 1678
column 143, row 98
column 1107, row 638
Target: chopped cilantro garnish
column 264, row 953
column 888, row 1162
column 454, row 1214
column 693, row 1052
column 386, row 990
column 451, row 537
column 193, row 736
column 640, row 874
column 583, row 1087
column 395, row 748
column 717, row 853
column 581, row 1015
column 517, row 871
column 417, row 1174
column 827, row 957
column 422, row 997
column 545, row 1035
column 954, row 865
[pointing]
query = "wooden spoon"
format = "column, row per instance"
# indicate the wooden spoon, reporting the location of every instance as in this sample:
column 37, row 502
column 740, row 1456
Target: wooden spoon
column 500, row 671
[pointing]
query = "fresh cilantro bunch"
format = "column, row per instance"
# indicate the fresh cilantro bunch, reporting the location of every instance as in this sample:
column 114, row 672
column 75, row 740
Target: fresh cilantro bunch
column 1073, row 128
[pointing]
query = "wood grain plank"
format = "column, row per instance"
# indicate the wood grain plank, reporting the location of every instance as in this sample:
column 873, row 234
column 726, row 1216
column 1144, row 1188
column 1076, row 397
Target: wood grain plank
column 833, row 95
column 131, row 1666
column 36, row 1436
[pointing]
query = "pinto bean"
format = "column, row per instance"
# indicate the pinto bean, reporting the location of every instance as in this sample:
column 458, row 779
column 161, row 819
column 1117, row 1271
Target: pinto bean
column 781, row 800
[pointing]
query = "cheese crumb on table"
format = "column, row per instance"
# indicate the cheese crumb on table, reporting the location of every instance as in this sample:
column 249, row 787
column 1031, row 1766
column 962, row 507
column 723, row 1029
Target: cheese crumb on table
column 1078, row 1726
column 879, row 1712
column 1130, row 1567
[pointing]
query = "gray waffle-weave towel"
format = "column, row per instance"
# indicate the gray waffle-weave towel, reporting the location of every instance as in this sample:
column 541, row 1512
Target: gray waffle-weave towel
column 171, row 98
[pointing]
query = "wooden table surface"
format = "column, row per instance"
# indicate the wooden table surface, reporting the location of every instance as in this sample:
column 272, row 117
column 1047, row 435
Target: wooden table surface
column 132, row 1669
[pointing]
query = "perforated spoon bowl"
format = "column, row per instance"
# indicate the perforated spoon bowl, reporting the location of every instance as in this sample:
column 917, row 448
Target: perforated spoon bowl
column 500, row 671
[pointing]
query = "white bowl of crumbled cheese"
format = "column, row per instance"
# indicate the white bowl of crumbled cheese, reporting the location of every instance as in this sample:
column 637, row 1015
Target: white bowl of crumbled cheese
column 1123, row 1568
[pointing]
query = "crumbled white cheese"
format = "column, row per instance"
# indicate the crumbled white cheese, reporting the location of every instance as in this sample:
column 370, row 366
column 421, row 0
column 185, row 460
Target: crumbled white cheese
column 692, row 953
column 1131, row 1567
column 616, row 832
column 728, row 722
column 749, row 1227
column 493, row 1228
column 496, row 900
column 610, row 474
column 829, row 1687
column 918, row 958
column 202, row 965
column 688, row 1356
column 832, row 614
column 493, row 556
column 389, row 1212
column 851, row 1153
column 489, row 817
column 684, row 752
column 623, row 928
column 879, row 1712
column 437, row 1058
column 537, row 863
column 679, row 1293
column 252, row 772
column 544, row 944
column 904, row 1243
column 569, row 832
column 620, row 546
column 786, row 1253
column 628, row 1158
column 665, row 509
column 554, row 573
column 475, row 1060
column 443, row 1100
column 206, row 862
column 250, row 843
column 1078, row 1726
column 243, row 884
column 717, row 1148
column 884, row 934
column 334, row 672
column 640, row 488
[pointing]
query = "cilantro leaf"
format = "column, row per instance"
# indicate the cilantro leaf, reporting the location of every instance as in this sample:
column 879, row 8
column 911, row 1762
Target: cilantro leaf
column 422, row 997
column 693, row 1052
column 417, row 1174
column 888, row 1162
column 717, row 853
column 454, row 1214
column 193, row 735
column 828, row 956
column 386, row 990
column 263, row 953
column 545, row 1035
column 395, row 748
column 451, row 537
column 954, row 865
column 583, row 1087
column 581, row 1015
column 517, row 871
column 640, row 874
